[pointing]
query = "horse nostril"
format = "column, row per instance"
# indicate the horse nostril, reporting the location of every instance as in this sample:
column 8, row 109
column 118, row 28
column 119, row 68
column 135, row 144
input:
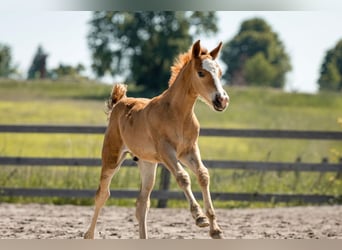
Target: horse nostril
column 221, row 98
column 218, row 98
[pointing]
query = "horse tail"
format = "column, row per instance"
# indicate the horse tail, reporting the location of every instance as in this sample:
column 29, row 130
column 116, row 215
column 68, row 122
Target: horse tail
column 118, row 92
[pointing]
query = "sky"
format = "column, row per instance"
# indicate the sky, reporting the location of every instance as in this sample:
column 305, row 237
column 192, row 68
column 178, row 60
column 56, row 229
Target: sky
column 306, row 35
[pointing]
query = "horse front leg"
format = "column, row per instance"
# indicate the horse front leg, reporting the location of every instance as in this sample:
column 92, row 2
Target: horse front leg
column 193, row 160
column 184, row 182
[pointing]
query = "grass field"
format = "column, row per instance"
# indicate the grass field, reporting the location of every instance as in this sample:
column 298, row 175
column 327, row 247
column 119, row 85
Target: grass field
column 82, row 103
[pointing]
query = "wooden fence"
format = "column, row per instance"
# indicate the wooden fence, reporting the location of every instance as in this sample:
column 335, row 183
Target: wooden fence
column 163, row 194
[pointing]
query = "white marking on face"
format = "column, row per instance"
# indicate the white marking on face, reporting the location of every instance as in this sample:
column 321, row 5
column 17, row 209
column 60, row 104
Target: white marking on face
column 212, row 67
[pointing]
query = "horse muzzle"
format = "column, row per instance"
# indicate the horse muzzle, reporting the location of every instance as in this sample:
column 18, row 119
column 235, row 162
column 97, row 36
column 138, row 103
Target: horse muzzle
column 220, row 101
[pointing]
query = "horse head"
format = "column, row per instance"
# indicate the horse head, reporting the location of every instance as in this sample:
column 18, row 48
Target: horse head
column 207, row 74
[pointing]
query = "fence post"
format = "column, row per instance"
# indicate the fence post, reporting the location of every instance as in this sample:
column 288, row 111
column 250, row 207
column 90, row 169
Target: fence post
column 324, row 160
column 164, row 186
column 296, row 174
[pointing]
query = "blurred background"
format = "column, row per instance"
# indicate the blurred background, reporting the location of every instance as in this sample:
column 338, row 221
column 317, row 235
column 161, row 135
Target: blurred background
column 296, row 51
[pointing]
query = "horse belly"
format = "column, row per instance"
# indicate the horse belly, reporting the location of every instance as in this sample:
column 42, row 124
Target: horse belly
column 142, row 148
column 139, row 143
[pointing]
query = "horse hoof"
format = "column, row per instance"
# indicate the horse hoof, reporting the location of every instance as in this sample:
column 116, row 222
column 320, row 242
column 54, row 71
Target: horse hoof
column 216, row 234
column 88, row 236
column 202, row 221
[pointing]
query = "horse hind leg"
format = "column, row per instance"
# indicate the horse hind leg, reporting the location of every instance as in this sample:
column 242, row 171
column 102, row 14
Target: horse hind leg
column 111, row 162
column 148, row 175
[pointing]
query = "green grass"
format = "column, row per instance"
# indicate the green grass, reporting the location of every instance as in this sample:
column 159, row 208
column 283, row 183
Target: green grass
column 272, row 109
column 82, row 103
column 47, row 89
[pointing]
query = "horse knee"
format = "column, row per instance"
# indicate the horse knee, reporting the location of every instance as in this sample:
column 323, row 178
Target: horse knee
column 203, row 177
column 183, row 179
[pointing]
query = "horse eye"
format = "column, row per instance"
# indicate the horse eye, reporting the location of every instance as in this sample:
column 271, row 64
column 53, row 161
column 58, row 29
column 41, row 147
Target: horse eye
column 200, row 73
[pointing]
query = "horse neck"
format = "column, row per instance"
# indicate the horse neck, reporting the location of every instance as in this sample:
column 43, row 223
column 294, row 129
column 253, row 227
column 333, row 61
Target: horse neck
column 180, row 95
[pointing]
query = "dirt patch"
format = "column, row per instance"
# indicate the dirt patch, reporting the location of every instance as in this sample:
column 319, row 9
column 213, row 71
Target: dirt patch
column 36, row 221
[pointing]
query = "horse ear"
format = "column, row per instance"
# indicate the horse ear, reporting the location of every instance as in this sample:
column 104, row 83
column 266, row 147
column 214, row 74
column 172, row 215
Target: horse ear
column 214, row 53
column 196, row 49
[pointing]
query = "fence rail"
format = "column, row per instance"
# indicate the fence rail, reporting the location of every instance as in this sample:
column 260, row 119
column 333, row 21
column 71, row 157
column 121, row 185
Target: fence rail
column 246, row 133
column 243, row 165
column 163, row 194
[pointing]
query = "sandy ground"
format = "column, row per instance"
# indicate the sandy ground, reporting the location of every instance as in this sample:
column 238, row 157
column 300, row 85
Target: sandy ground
column 35, row 221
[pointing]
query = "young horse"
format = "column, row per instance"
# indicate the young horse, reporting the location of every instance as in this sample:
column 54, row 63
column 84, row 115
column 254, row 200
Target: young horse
column 164, row 130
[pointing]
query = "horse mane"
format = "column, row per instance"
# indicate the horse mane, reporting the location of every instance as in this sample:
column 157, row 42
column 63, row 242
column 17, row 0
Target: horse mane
column 180, row 62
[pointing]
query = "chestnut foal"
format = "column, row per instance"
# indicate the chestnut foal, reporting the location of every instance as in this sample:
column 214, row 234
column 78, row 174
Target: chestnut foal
column 164, row 130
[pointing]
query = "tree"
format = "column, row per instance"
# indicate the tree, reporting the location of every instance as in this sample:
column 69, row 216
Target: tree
column 256, row 56
column 258, row 71
column 331, row 69
column 143, row 45
column 67, row 70
column 38, row 65
column 6, row 67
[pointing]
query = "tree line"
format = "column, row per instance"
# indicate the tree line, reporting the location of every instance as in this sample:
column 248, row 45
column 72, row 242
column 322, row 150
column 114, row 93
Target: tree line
column 141, row 46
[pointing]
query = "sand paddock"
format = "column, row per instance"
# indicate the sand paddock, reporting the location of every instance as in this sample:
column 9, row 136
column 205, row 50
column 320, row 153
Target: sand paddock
column 36, row 221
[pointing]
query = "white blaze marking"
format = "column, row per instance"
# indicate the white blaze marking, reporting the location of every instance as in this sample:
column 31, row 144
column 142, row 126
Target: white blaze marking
column 212, row 67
